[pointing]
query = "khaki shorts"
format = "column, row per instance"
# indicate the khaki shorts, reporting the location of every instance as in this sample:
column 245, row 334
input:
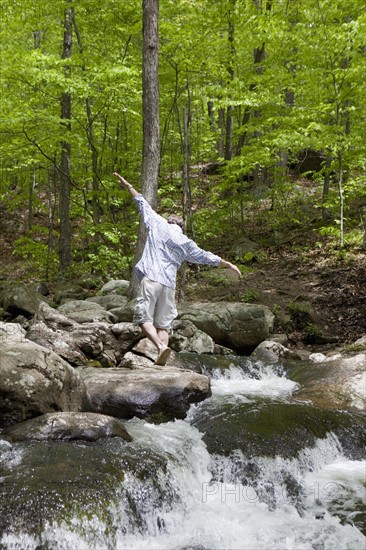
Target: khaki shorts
column 155, row 304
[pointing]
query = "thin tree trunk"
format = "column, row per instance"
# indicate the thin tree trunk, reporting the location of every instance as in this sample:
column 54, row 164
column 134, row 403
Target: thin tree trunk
column 187, row 202
column 65, row 230
column 326, row 186
column 32, row 184
column 91, row 138
column 341, row 198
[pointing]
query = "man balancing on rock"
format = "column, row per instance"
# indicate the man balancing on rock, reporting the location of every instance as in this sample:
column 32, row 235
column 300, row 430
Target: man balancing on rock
column 165, row 250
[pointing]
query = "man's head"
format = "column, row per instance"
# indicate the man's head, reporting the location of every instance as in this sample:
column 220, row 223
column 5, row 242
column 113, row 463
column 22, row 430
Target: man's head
column 177, row 220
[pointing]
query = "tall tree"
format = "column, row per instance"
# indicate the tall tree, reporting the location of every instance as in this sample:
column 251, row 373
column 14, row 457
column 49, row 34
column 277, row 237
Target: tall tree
column 150, row 108
column 65, row 162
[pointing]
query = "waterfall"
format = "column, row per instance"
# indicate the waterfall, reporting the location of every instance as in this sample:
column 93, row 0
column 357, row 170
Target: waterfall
column 187, row 497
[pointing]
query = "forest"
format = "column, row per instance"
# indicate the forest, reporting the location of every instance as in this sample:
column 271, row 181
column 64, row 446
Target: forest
column 260, row 127
column 241, row 423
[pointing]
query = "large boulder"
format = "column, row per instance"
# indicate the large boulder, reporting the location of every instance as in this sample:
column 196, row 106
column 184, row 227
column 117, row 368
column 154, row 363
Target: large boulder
column 116, row 286
column 82, row 311
column 67, row 426
column 68, row 290
column 34, row 380
column 124, row 313
column 235, row 325
column 77, row 343
column 21, row 299
column 187, row 337
column 337, row 381
column 155, row 393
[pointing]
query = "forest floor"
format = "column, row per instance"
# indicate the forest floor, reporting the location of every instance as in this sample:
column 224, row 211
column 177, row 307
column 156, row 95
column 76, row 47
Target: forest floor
column 316, row 301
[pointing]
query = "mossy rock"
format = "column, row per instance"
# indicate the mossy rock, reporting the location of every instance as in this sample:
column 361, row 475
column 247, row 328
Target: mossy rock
column 71, row 482
column 277, row 429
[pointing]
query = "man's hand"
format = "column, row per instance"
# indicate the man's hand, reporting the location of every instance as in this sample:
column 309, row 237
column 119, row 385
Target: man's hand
column 124, row 183
column 231, row 266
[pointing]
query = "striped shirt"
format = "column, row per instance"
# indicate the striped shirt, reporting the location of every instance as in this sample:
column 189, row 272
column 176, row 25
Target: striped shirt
column 167, row 248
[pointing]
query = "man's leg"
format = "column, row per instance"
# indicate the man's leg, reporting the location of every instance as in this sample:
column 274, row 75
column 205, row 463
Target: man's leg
column 155, row 335
column 163, row 335
column 163, row 350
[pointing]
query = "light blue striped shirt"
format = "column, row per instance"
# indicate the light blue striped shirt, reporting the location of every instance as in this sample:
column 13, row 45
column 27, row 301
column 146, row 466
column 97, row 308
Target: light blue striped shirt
column 167, row 248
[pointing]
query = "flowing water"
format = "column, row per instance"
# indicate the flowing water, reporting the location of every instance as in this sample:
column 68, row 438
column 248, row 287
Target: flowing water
column 210, row 482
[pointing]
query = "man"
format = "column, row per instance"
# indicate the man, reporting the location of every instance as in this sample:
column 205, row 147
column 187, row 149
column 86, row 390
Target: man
column 165, row 250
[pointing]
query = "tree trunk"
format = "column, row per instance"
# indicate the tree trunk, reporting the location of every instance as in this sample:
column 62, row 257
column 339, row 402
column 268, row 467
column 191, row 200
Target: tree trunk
column 65, row 231
column 187, row 203
column 151, row 132
column 32, row 184
column 91, row 139
column 341, row 198
column 230, row 69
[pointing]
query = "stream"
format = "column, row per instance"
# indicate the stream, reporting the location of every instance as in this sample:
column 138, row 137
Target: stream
column 250, row 468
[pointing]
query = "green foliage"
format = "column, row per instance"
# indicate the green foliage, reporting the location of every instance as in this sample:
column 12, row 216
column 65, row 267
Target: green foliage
column 41, row 259
column 108, row 261
column 251, row 295
column 288, row 75
column 300, row 314
column 312, row 333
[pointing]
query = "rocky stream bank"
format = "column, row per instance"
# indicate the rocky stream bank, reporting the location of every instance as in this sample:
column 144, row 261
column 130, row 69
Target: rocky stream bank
column 82, row 356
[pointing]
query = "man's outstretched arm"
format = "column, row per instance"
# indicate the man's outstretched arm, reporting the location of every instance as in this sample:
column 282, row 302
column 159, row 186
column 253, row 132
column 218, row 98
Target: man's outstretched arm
column 125, row 185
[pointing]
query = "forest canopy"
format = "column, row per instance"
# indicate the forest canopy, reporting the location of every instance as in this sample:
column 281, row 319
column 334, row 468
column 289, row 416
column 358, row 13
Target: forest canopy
column 262, row 107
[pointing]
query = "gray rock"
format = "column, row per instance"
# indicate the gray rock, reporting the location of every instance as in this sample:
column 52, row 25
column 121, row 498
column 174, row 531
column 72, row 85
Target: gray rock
column 271, row 352
column 243, row 247
column 82, row 311
column 236, row 325
column 21, row 299
column 222, row 350
column 280, row 339
column 126, row 331
column 317, row 357
column 156, row 393
column 187, row 337
column 11, row 333
column 67, row 426
column 22, row 321
column 117, row 286
column 337, row 382
column 68, row 291
column 361, row 341
column 146, row 348
column 124, row 314
column 132, row 361
column 75, row 342
column 34, row 380
column 89, row 281
column 109, row 301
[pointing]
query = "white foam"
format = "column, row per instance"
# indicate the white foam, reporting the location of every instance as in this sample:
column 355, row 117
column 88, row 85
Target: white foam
column 234, row 382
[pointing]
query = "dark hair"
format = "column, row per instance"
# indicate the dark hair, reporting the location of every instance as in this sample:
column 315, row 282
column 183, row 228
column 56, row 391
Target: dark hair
column 177, row 220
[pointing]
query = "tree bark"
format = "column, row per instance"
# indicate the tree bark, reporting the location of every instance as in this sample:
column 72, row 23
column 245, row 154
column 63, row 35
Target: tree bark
column 151, row 130
column 65, row 162
column 230, row 69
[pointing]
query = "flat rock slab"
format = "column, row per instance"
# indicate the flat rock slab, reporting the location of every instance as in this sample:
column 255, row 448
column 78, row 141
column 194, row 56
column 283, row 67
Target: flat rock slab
column 334, row 382
column 82, row 311
column 67, row 426
column 155, row 393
